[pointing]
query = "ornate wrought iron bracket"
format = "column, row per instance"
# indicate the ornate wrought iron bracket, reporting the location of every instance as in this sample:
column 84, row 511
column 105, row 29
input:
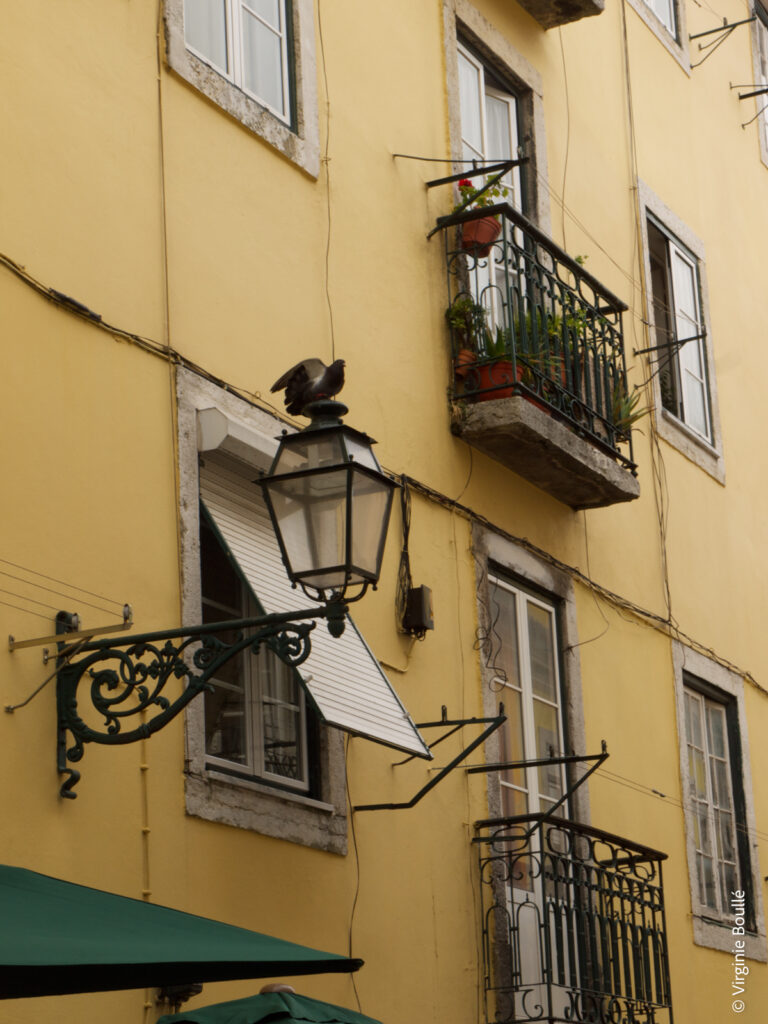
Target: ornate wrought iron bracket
column 128, row 676
column 454, row 724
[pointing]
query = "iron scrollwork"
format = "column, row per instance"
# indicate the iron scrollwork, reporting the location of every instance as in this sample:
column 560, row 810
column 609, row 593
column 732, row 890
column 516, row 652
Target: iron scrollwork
column 128, row 677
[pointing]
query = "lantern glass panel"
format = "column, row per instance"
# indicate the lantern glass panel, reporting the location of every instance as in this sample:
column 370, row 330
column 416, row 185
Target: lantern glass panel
column 371, row 500
column 309, row 451
column 312, row 513
column 362, row 453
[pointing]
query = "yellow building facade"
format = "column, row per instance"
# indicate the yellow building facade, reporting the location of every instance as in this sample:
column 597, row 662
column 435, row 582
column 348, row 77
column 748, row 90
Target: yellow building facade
column 197, row 195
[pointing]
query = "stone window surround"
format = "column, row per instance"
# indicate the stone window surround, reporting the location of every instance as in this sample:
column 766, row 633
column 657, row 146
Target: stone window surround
column 494, row 552
column 300, row 143
column 210, row 794
column 706, row 932
column 678, row 48
column 708, row 457
column 462, row 19
column 760, row 101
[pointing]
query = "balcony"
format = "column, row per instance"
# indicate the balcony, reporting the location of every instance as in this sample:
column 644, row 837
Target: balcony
column 550, row 14
column 573, row 924
column 539, row 378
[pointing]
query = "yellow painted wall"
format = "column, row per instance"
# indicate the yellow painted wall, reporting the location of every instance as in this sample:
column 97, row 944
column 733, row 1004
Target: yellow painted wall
column 125, row 189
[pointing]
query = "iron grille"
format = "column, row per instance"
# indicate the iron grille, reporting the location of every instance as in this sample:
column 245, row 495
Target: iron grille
column 573, row 925
column 527, row 319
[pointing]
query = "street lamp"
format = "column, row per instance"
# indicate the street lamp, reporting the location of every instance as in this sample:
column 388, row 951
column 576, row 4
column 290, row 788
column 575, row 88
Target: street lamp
column 329, row 503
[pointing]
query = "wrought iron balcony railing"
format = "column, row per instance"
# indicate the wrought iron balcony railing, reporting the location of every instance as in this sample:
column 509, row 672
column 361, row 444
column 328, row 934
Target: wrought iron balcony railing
column 527, row 319
column 573, row 924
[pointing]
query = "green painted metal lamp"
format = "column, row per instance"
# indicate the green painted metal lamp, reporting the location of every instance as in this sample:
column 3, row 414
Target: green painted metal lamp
column 330, row 504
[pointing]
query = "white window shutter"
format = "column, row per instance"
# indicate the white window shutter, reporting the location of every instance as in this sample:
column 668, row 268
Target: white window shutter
column 344, row 679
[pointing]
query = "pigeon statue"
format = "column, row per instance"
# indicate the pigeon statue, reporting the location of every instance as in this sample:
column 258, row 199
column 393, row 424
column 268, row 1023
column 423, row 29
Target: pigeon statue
column 309, row 380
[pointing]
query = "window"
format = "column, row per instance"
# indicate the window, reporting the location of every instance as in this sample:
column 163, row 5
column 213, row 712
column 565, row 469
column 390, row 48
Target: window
column 256, row 719
column 710, row 791
column 679, row 331
column 717, row 803
column 681, row 358
column 528, row 680
column 256, row 60
column 665, row 12
column 489, row 120
column 247, row 41
column 667, row 20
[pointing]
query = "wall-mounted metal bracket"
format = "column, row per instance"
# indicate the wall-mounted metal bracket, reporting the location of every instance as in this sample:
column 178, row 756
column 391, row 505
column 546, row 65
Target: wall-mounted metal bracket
column 75, row 633
column 127, row 676
column 543, row 763
column 453, row 724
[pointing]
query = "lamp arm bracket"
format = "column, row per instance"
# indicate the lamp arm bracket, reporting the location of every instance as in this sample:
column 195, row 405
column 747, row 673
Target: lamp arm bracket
column 126, row 678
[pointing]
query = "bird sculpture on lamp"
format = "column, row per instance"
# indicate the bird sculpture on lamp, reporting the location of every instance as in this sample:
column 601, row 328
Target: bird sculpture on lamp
column 309, row 381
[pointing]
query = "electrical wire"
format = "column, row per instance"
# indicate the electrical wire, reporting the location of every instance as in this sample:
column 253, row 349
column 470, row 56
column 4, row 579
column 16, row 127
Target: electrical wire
column 63, row 583
column 620, row 603
column 357, row 864
column 327, row 164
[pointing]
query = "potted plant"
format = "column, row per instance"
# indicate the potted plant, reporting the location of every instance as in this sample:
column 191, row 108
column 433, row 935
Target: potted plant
column 624, row 411
column 467, row 320
column 477, row 236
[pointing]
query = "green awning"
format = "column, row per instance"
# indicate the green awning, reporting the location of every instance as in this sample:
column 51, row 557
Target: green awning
column 280, row 1007
column 57, row 937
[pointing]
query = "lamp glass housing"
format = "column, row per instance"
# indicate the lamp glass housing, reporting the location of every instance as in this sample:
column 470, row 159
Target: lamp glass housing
column 330, row 505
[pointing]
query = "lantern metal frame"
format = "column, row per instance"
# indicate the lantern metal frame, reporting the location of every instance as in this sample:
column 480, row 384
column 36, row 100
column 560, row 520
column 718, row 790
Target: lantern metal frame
column 327, row 422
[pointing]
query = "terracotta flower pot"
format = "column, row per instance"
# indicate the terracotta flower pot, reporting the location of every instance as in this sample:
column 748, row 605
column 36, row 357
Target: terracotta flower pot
column 463, row 363
column 477, row 236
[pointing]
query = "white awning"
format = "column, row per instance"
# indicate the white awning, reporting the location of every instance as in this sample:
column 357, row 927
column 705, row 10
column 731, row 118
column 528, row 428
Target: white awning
column 344, row 679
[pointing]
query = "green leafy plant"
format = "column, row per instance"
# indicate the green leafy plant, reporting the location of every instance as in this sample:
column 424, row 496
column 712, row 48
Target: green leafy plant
column 624, row 409
column 467, row 319
column 469, row 195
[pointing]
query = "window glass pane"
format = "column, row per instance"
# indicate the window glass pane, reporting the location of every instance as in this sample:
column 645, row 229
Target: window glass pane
column 503, row 641
column 547, row 745
column 716, row 727
column 282, row 741
column 262, row 62
column 540, row 639
column 267, row 10
column 205, row 29
column 512, row 741
column 497, row 113
column 471, row 104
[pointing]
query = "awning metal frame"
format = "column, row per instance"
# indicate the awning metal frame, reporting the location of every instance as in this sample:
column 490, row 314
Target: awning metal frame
column 453, row 724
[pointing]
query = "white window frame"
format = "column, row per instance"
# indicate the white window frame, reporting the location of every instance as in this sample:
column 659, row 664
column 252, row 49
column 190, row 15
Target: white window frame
column 211, row 793
column 706, row 806
column 667, row 20
column 760, row 63
column 463, row 22
column 527, row 697
column 707, row 453
column 689, row 358
column 295, row 132
column 252, row 668
column 710, row 928
column 494, row 556
column 236, row 71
